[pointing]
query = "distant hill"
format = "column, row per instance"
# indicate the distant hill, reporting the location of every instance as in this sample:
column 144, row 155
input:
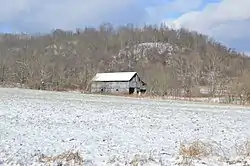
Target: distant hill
column 166, row 59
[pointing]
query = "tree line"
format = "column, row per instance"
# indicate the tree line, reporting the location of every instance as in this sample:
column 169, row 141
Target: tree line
column 171, row 62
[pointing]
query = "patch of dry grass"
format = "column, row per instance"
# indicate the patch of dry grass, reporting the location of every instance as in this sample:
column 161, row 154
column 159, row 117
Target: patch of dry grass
column 195, row 149
column 198, row 151
column 68, row 157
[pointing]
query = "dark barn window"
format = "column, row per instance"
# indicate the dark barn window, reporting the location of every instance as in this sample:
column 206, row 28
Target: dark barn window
column 131, row 90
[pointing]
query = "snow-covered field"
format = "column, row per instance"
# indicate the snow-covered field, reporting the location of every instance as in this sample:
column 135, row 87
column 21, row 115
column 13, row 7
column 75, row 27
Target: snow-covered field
column 102, row 127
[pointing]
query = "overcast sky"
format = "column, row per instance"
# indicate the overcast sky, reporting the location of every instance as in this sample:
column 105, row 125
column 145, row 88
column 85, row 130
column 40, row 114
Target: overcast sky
column 225, row 20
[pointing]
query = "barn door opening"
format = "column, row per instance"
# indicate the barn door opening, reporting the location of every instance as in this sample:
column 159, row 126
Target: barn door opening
column 131, row 90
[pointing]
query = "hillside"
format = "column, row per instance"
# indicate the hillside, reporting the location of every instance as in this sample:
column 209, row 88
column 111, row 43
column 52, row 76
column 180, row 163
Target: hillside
column 166, row 59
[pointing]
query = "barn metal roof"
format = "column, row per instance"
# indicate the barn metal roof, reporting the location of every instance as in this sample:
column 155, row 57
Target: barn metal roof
column 115, row 76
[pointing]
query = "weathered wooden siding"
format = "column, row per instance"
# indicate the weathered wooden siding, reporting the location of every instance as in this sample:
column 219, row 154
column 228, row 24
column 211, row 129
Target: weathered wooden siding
column 135, row 82
column 110, row 87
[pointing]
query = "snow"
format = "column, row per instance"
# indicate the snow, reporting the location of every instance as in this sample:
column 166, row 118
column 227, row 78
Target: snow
column 161, row 47
column 115, row 76
column 146, row 46
column 143, row 51
column 105, row 128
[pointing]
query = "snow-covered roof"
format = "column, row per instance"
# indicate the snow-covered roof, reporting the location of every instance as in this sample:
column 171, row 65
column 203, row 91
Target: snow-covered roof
column 115, row 76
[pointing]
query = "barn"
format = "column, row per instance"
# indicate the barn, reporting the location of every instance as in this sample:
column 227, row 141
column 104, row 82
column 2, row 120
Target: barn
column 118, row 82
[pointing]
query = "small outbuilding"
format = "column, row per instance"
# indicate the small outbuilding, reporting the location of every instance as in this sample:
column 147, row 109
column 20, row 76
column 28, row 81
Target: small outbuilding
column 118, row 82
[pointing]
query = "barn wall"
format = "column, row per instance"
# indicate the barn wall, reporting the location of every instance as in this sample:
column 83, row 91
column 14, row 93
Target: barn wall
column 110, row 87
column 135, row 82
